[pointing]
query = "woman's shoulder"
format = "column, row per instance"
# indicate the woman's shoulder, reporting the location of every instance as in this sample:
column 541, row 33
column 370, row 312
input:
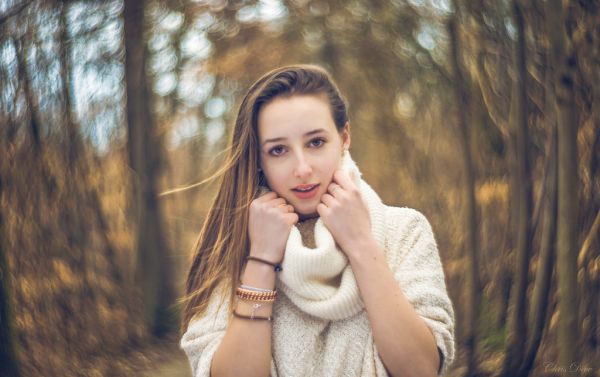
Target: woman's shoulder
column 406, row 230
column 405, row 219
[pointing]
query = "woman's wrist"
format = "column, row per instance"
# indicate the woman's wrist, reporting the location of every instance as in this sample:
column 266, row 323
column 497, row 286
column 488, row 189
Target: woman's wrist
column 256, row 291
column 259, row 275
column 362, row 249
column 270, row 255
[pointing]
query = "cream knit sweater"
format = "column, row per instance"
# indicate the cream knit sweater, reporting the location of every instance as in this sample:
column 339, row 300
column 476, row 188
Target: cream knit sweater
column 320, row 325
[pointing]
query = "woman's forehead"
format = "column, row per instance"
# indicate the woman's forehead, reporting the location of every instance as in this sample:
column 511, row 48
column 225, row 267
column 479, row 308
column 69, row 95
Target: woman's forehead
column 294, row 117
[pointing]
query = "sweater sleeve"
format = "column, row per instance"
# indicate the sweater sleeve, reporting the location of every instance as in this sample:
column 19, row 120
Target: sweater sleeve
column 418, row 269
column 204, row 335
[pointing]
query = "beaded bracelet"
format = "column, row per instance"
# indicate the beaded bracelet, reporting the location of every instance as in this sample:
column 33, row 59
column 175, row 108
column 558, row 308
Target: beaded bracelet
column 246, row 294
column 276, row 266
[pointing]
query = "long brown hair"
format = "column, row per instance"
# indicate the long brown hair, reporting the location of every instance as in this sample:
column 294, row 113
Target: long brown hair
column 223, row 243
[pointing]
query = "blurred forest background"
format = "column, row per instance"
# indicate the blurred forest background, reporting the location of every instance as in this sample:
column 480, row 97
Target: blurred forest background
column 483, row 114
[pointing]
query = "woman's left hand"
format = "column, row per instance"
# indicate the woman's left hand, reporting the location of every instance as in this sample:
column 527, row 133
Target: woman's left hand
column 345, row 213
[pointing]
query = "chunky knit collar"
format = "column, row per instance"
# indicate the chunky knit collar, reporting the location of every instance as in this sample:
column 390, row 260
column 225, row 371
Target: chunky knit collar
column 319, row 281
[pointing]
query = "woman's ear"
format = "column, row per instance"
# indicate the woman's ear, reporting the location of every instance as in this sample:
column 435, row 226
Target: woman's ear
column 346, row 136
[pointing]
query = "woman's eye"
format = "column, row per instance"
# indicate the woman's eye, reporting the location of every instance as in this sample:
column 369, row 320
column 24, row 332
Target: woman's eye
column 317, row 142
column 275, row 151
column 279, row 150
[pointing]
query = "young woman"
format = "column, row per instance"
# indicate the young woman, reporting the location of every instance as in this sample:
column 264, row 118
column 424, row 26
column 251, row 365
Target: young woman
column 300, row 269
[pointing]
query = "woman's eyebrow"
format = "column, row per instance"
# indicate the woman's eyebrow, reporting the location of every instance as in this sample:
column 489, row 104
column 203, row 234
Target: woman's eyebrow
column 305, row 135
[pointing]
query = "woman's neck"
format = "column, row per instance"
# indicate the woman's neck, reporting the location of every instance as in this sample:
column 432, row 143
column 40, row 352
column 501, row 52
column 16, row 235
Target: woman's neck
column 302, row 217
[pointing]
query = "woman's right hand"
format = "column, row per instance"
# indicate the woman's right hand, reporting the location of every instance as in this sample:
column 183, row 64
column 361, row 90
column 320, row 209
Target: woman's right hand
column 269, row 224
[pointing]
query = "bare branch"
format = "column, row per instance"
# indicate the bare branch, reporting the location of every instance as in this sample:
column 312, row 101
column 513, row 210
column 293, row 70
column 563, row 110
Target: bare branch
column 14, row 11
column 497, row 116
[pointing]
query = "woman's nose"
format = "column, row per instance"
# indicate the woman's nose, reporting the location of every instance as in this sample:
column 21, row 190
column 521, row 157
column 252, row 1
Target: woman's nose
column 303, row 169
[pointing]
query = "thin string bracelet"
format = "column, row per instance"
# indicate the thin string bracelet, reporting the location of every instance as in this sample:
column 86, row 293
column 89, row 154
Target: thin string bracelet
column 253, row 317
column 276, row 266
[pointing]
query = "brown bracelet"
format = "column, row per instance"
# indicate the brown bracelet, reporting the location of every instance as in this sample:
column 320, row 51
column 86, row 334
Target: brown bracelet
column 277, row 266
column 252, row 317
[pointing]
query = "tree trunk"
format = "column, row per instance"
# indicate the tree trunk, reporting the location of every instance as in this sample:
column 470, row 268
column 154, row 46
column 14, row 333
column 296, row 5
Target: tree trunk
column 144, row 148
column 586, row 264
column 73, row 140
column 517, row 325
column 8, row 359
column 473, row 280
column 568, row 182
column 543, row 279
column 589, row 258
column 34, row 121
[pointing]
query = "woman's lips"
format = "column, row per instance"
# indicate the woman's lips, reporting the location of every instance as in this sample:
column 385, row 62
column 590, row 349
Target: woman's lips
column 306, row 194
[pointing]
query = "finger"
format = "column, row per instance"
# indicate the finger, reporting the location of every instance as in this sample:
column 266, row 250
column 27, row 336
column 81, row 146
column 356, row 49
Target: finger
column 327, row 199
column 322, row 210
column 342, row 177
column 332, row 188
column 276, row 202
column 286, row 208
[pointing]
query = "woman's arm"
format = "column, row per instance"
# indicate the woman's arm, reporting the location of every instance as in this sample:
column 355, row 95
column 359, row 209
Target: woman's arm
column 409, row 309
column 246, row 346
column 406, row 345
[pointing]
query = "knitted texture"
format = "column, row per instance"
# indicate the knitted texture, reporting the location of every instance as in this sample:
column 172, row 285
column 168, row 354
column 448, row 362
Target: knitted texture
column 320, row 280
column 321, row 327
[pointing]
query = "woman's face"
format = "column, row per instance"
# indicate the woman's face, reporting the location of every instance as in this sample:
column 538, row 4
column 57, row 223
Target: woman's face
column 300, row 147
